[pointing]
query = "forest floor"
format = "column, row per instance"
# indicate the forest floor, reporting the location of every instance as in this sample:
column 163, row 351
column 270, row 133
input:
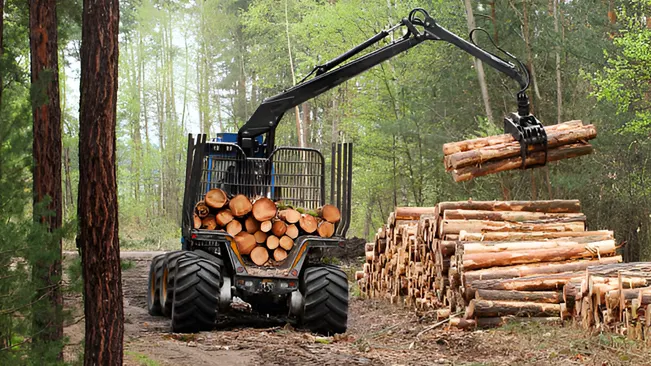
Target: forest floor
column 378, row 334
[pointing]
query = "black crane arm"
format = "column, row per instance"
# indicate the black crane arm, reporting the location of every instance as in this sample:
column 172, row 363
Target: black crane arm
column 420, row 27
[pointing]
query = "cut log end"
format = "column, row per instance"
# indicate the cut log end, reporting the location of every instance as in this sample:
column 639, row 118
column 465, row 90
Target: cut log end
column 280, row 254
column 223, row 217
column 259, row 255
column 201, row 209
column 234, row 227
column 245, row 242
column 292, row 231
column 326, row 229
column 266, row 226
column 260, row 237
column 240, row 205
column 308, row 223
column 279, row 228
column 264, row 209
column 216, row 198
column 251, row 225
column 286, row 242
column 289, row 215
column 273, row 242
column 209, row 223
column 329, row 213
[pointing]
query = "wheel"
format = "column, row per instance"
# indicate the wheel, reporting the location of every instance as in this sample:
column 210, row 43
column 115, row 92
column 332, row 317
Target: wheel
column 325, row 289
column 153, row 294
column 197, row 284
column 166, row 289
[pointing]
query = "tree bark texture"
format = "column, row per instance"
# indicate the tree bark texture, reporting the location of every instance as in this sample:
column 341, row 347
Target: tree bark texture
column 48, row 323
column 97, row 203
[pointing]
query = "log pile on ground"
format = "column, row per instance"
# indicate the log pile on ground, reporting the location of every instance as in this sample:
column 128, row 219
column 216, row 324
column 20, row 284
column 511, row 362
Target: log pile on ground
column 488, row 155
column 263, row 230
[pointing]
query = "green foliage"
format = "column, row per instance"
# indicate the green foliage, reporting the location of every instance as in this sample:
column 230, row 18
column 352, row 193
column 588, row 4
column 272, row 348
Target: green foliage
column 127, row 264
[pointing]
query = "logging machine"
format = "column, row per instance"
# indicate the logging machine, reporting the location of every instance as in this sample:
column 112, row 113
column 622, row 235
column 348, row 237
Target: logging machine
column 209, row 277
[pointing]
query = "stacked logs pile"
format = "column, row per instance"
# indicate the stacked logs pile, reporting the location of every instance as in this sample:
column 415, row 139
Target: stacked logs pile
column 482, row 156
column 613, row 296
column 263, row 230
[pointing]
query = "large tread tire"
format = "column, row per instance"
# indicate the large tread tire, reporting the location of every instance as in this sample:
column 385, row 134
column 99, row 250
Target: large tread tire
column 325, row 289
column 153, row 285
column 196, row 295
column 166, row 289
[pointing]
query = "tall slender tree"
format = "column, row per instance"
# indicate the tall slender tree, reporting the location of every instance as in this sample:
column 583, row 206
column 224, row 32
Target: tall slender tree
column 2, row 23
column 47, row 323
column 97, row 203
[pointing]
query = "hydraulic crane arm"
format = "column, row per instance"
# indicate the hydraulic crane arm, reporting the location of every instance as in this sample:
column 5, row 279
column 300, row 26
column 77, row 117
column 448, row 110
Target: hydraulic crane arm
column 420, row 27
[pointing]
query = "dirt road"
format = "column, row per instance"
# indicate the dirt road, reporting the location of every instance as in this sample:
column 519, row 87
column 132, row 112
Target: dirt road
column 378, row 334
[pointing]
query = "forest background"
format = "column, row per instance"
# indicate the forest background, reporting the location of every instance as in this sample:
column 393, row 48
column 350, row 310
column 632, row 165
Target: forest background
column 204, row 66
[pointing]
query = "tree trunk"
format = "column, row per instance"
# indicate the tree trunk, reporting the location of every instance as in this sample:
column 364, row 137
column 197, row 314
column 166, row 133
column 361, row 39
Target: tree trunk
column 470, row 17
column 499, row 273
column 486, row 308
column 554, row 206
column 534, row 235
column 527, row 43
column 544, row 282
column 98, row 208
column 466, row 145
column 485, row 260
column 559, row 153
column 515, row 246
column 559, row 90
column 46, row 270
column 550, row 297
column 456, row 226
column 513, row 216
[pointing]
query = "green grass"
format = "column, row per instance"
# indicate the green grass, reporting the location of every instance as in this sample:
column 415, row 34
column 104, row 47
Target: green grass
column 127, row 264
column 142, row 359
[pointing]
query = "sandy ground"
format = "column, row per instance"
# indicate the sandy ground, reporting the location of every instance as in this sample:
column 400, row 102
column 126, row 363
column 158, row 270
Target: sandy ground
column 378, row 334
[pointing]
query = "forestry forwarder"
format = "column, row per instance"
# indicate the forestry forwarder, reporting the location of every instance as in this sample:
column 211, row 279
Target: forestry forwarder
column 209, row 276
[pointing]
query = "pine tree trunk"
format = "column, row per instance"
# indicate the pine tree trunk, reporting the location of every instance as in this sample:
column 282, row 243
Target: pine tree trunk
column 559, row 90
column 48, row 321
column 98, row 208
column 478, row 65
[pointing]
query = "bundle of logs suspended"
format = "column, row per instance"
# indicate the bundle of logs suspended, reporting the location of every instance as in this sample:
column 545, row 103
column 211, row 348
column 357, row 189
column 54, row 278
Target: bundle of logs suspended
column 495, row 261
column 488, row 155
column 263, row 230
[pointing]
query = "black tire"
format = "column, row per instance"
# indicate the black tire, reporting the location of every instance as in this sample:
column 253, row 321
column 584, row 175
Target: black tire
column 166, row 289
column 196, row 295
column 153, row 285
column 325, row 289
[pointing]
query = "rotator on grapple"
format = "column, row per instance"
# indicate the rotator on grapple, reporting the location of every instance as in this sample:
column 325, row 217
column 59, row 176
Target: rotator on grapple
column 209, row 276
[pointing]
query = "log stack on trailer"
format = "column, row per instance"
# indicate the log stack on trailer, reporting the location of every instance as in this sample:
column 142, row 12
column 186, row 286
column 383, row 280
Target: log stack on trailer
column 263, row 230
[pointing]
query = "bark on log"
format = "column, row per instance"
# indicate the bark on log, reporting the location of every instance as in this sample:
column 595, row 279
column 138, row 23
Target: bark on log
column 456, row 226
column 259, row 255
column 513, row 216
column 292, row 231
column 251, row 225
column 559, row 153
column 413, row 213
column 511, row 149
column 515, row 246
column 551, row 206
column 326, row 229
column 329, row 213
column 535, row 269
column 263, row 209
column 266, row 226
column 223, row 217
column 279, row 228
column 245, row 242
column 488, row 308
column 289, row 215
column 234, row 227
column 631, row 269
column 466, row 145
column 260, row 237
column 240, row 205
column 286, row 242
column 216, row 198
column 485, row 260
column 554, row 281
column 550, row 297
column 202, row 209
column 280, row 254
column 533, row 235
column 209, row 223
column 308, row 223
column 273, row 242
